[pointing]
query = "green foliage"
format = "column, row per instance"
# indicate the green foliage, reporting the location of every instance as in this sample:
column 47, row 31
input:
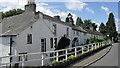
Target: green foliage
column 88, row 23
column 95, row 40
column 111, row 27
column 71, row 57
column 64, row 42
column 102, row 28
column 118, row 35
column 62, row 60
column 105, row 38
column 54, row 62
column 12, row 13
column 79, row 22
column 69, row 19
column 94, row 26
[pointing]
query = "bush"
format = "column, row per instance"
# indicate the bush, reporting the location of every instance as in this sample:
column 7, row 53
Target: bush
column 100, row 40
column 62, row 60
column 95, row 40
column 54, row 62
column 71, row 56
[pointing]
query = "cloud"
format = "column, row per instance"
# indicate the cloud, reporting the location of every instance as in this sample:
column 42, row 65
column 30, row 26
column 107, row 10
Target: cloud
column 55, row 12
column 12, row 4
column 42, row 7
column 105, row 9
column 90, row 10
column 75, row 5
column 43, row 4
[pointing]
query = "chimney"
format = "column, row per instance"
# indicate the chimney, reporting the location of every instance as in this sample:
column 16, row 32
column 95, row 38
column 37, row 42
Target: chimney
column 31, row 6
column 57, row 17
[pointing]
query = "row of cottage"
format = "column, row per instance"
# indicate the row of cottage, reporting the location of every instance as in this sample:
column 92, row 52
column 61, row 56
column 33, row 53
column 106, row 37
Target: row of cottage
column 33, row 31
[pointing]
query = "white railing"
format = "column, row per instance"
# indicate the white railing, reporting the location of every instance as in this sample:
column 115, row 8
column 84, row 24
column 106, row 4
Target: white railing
column 65, row 52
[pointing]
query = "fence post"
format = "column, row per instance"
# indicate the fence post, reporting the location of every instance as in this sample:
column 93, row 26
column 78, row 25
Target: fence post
column 95, row 46
column 92, row 47
column 88, row 48
column 98, row 45
column 57, row 56
column 75, row 51
column 66, row 54
column 101, row 43
column 23, row 59
column 42, row 59
column 82, row 50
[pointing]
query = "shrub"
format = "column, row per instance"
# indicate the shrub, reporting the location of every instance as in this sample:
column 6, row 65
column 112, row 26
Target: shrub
column 95, row 40
column 100, row 40
column 62, row 60
column 71, row 56
column 54, row 62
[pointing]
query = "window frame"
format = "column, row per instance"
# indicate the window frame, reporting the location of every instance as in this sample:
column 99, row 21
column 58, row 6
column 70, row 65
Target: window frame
column 29, row 39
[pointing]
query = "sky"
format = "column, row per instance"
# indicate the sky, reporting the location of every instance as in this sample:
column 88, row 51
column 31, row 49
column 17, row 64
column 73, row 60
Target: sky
column 85, row 9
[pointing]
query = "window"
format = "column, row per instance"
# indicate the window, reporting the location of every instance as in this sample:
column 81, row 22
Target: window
column 67, row 32
column 29, row 39
column 51, row 42
column 54, row 28
column 43, row 45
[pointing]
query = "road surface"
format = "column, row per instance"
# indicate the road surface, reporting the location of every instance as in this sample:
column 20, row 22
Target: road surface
column 111, row 59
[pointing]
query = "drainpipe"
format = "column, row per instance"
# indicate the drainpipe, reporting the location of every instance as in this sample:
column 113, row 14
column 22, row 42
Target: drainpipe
column 11, row 42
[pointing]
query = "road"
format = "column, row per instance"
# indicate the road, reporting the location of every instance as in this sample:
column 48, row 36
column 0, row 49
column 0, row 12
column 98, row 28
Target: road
column 111, row 59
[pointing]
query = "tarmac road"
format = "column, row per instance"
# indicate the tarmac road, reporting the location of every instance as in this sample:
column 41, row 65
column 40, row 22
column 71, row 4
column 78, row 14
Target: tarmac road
column 111, row 59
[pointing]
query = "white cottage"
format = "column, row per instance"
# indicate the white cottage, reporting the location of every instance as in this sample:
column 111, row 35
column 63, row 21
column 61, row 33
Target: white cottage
column 33, row 31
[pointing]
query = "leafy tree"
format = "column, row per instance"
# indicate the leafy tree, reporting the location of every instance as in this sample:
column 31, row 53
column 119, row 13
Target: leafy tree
column 94, row 26
column 102, row 28
column 69, row 19
column 1, row 15
column 87, row 24
column 119, row 35
column 111, row 27
column 12, row 13
column 79, row 22
column 63, row 43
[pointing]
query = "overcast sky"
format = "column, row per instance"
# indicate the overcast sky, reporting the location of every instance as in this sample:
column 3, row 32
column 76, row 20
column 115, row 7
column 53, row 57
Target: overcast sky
column 89, row 9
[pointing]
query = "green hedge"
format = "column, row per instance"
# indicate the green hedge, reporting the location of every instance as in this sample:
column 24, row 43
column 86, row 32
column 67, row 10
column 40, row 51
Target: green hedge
column 95, row 40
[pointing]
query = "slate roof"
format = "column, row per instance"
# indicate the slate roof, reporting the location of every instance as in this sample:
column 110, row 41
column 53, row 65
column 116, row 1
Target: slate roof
column 93, row 32
column 15, row 24
column 79, row 29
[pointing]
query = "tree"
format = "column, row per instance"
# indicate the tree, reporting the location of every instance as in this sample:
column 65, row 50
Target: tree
column 64, row 42
column 111, row 27
column 102, row 28
column 12, row 13
column 79, row 22
column 94, row 26
column 87, row 24
column 69, row 19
